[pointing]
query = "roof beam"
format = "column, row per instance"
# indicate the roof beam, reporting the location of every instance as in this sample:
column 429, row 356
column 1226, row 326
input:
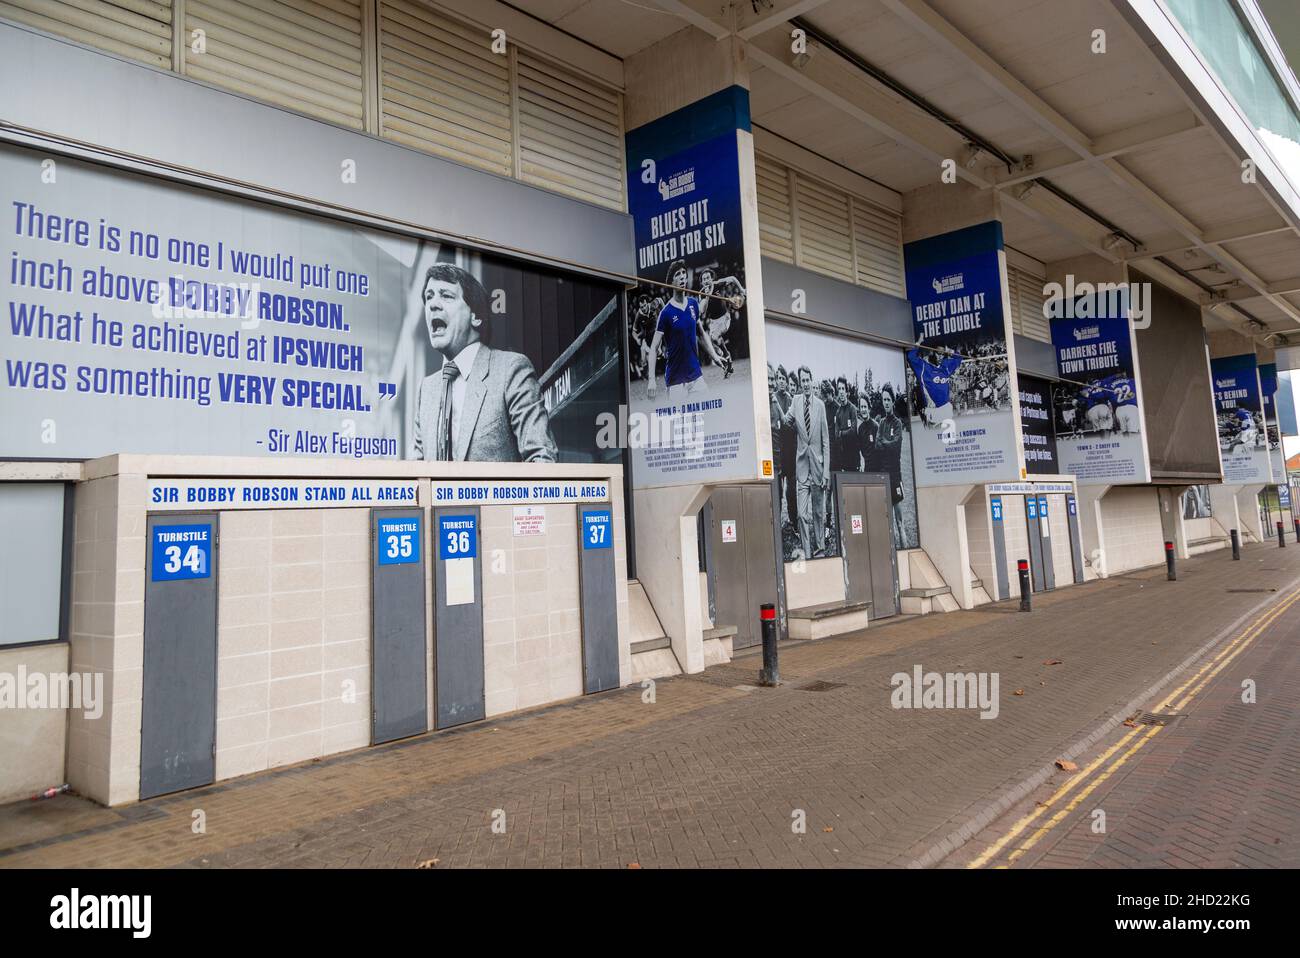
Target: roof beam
column 1229, row 233
column 778, row 17
column 947, row 37
column 1132, row 139
column 694, row 17
column 1238, row 293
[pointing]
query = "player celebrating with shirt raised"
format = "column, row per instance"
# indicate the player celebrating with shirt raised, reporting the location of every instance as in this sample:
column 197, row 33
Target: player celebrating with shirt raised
column 934, row 373
column 678, row 330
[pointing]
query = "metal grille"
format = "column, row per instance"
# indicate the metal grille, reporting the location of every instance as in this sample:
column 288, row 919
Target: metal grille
column 137, row 29
column 302, row 54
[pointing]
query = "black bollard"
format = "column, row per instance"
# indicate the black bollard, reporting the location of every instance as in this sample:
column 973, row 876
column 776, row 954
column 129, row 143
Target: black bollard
column 1169, row 562
column 1297, row 529
column 1236, row 544
column 770, row 674
column 1022, row 567
column 1281, row 536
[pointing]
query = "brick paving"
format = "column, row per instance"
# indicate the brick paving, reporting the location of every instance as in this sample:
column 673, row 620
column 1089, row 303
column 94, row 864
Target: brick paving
column 714, row 776
column 1217, row 788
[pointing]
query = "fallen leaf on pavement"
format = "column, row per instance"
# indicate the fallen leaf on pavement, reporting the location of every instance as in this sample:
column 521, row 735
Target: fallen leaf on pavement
column 1018, row 692
column 1052, row 662
column 1065, row 765
column 828, row 828
column 428, row 863
column 633, row 864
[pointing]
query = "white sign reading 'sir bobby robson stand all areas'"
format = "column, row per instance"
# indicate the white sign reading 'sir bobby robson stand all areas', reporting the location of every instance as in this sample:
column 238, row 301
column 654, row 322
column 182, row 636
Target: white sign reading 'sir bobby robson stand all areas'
column 181, row 494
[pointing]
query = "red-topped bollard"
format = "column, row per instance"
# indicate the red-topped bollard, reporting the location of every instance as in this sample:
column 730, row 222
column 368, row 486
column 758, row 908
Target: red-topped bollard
column 1281, row 536
column 770, row 674
column 1022, row 567
column 1169, row 562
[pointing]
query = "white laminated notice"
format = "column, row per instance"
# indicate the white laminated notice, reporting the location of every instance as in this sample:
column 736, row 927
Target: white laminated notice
column 460, row 581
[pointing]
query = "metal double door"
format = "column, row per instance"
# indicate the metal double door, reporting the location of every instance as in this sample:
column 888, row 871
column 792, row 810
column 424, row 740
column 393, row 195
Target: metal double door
column 864, row 511
column 743, row 558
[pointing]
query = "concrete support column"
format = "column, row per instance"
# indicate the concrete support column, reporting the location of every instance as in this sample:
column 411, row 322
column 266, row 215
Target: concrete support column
column 1093, row 531
column 1248, row 511
column 941, row 513
column 1223, row 505
column 668, row 566
column 1171, row 519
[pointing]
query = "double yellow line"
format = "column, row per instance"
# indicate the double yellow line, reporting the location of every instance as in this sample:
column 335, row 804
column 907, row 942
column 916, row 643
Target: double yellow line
column 1129, row 743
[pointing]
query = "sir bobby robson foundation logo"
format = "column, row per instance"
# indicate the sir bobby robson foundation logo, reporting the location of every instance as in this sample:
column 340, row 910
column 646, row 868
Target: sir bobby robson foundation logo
column 679, row 184
column 949, row 284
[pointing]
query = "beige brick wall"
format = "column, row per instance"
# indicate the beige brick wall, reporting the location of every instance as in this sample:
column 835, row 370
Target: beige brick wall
column 1131, row 524
column 980, row 543
column 293, row 642
column 1015, row 529
column 1058, row 519
column 532, row 640
column 93, row 646
column 33, row 741
column 814, row 582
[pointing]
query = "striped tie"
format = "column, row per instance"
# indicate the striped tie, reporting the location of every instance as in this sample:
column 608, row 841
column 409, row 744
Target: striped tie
column 807, row 420
column 449, row 372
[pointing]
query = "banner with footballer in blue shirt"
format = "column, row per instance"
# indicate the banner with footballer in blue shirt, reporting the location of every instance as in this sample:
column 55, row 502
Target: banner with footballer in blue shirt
column 961, row 372
column 1099, row 424
column 1239, row 406
column 691, row 405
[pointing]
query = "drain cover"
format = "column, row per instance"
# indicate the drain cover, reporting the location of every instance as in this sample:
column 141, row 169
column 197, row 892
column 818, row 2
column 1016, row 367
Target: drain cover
column 1156, row 718
column 1250, row 590
column 820, row 686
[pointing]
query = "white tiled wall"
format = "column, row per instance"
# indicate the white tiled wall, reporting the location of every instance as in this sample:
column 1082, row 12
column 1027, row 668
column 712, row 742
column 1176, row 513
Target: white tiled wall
column 532, row 641
column 979, row 543
column 293, row 644
column 1058, row 519
column 1131, row 524
column 814, row 582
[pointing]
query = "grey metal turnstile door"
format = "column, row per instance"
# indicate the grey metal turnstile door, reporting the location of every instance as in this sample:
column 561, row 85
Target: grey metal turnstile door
column 867, row 544
column 744, row 558
column 598, row 599
column 398, row 626
column 1035, row 534
column 178, row 717
column 458, row 623
column 1045, row 543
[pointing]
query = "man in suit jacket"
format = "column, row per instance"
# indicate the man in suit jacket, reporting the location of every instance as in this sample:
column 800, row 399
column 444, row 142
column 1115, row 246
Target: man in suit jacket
column 807, row 416
column 484, row 404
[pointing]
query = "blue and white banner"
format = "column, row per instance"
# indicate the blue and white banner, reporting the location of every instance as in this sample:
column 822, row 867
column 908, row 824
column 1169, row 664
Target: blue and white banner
column 1100, row 432
column 146, row 317
column 1239, row 406
column 694, row 329
column 962, row 369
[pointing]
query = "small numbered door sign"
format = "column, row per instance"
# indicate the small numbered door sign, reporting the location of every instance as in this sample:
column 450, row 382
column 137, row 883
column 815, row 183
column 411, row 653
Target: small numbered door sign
column 995, row 504
column 1072, row 505
column 182, row 552
column 1031, row 503
column 399, row 540
column 728, row 530
column 597, row 529
column 855, row 525
column 457, row 537
column 1042, row 514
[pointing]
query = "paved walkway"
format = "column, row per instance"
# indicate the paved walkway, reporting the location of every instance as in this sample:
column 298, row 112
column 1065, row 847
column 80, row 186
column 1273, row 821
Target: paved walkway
column 712, row 774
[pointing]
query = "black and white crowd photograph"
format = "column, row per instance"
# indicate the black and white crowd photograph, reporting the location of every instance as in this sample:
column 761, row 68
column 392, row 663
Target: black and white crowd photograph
column 837, row 405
